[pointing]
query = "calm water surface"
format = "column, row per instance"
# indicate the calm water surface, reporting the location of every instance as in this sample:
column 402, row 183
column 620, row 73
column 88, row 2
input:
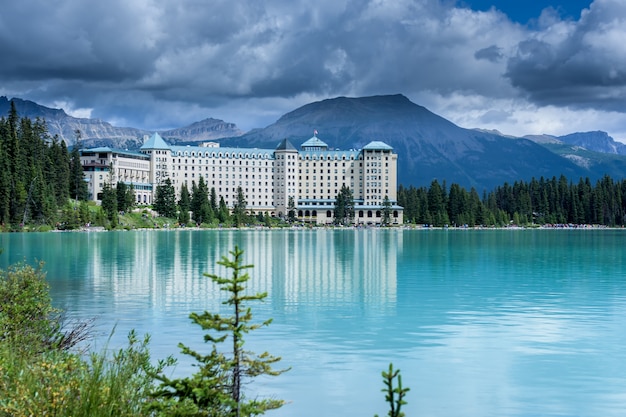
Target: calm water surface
column 481, row 323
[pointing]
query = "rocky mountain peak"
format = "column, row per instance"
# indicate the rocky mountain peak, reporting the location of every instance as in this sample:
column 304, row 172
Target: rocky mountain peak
column 597, row 141
column 95, row 132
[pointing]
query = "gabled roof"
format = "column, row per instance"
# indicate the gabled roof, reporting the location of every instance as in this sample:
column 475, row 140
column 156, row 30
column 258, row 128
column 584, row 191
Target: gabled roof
column 285, row 145
column 377, row 145
column 314, row 142
column 155, row 142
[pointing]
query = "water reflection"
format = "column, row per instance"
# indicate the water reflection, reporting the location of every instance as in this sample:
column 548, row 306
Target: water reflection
column 297, row 268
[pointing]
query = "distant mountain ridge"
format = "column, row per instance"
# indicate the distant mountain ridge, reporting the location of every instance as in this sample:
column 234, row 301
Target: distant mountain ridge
column 95, row 132
column 429, row 146
column 595, row 141
column 207, row 129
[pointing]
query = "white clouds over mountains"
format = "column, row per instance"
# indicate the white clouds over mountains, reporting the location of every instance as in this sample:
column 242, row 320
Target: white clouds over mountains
column 165, row 63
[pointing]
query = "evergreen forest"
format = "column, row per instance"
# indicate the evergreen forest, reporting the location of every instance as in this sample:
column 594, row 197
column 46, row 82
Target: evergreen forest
column 537, row 202
column 38, row 175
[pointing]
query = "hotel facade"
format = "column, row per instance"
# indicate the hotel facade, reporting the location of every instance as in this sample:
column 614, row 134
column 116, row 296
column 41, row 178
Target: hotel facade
column 312, row 176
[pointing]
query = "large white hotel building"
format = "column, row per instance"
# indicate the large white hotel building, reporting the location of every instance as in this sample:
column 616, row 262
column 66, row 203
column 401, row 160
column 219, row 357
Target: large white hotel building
column 312, row 176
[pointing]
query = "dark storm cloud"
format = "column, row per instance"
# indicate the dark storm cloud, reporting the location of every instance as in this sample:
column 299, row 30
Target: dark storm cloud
column 94, row 53
column 164, row 63
column 492, row 53
column 40, row 40
column 579, row 64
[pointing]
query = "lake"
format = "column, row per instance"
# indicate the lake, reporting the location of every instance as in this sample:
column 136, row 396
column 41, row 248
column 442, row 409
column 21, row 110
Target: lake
column 480, row 322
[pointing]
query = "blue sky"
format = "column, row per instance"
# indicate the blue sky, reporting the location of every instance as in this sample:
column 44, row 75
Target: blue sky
column 522, row 11
column 521, row 67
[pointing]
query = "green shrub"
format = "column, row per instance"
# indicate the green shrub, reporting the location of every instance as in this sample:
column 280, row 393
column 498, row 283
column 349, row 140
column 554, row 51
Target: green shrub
column 39, row 373
column 62, row 383
column 26, row 312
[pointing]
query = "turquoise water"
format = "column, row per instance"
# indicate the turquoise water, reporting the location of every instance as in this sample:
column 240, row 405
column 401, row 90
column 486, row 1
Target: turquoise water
column 481, row 323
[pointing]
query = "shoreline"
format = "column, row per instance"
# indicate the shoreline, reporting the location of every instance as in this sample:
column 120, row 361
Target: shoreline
column 98, row 229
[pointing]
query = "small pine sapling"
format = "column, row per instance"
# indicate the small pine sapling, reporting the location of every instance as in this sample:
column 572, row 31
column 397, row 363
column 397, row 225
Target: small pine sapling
column 215, row 390
column 394, row 396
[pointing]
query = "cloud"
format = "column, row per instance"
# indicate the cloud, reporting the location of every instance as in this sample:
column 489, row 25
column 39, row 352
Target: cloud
column 165, row 63
column 492, row 53
column 579, row 64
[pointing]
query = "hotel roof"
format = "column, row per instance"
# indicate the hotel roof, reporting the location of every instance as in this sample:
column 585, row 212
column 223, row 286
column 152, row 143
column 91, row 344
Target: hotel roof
column 314, row 142
column 155, row 142
column 377, row 145
column 285, row 145
column 219, row 152
column 106, row 149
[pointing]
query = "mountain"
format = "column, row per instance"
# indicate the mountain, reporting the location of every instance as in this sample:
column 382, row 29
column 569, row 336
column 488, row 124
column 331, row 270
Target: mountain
column 543, row 139
column 207, row 129
column 429, row 147
column 95, row 132
column 596, row 152
column 595, row 141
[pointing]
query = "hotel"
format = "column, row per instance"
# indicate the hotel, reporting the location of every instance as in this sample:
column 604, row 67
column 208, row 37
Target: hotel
column 269, row 178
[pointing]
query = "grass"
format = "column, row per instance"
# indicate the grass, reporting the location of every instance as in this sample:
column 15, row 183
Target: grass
column 62, row 383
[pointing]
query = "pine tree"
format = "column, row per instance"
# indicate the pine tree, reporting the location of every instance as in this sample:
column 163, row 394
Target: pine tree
column 130, row 197
column 340, row 209
column 213, row 200
column 386, row 219
column 291, row 210
column 200, row 202
column 183, row 205
column 239, row 208
column 85, row 214
column 78, row 186
column 216, row 389
column 344, row 206
column 109, row 203
column 223, row 214
column 165, row 199
column 58, row 170
column 5, row 178
column 120, row 194
column 437, row 204
column 125, row 195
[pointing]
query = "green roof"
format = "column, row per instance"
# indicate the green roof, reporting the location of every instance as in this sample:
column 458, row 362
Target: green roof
column 155, row 142
column 314, row 142
column 377, row 145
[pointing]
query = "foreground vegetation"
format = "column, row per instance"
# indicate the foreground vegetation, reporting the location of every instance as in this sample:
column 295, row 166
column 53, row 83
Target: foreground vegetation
column 41, row 375
column 43, row 371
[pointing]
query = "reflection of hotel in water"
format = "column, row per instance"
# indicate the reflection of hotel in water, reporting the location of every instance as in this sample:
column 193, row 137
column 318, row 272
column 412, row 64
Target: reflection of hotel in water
column 335, row 267
column 295, row 267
